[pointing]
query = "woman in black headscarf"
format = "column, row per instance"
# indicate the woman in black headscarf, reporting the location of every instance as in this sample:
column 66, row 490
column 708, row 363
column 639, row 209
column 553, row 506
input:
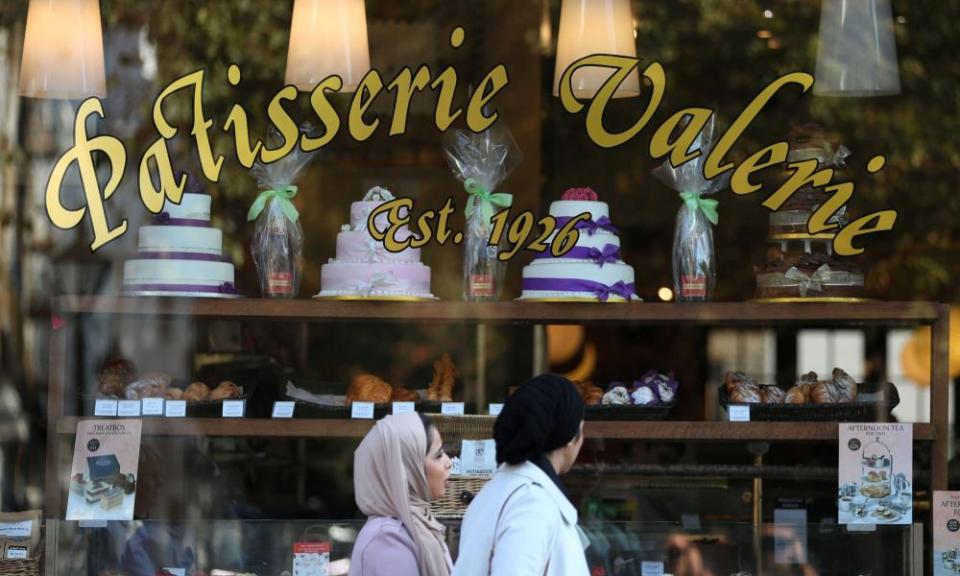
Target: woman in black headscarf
column 522, row 522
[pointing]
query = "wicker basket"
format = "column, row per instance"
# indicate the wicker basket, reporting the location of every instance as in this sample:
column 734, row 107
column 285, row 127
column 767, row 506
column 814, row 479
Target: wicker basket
column 461, row 489
column 20, row 567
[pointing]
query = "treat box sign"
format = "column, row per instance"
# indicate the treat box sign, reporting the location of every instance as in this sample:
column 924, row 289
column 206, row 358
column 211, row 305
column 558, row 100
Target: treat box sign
column 282, row 410
column 739, row 413
column 495, row 409
column 452, row 408
column 152, row 407
column 103, row 476
column 311, row 558
column 478, row 458
column 128, row 408
column 651, row 568
column 361, row 410
column 105, row 408
column 946, row 533
column 175, row 408
column 233, row 408
column 875, row 473
column 404, row 407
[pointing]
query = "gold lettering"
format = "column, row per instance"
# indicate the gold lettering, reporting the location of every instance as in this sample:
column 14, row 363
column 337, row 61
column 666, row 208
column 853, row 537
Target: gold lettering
column 369, row 87
column 679, row 150
column 493, row 82
column 712, row 167
column 841, row 195
column 82, row 153
column 284, row 124
column 804, row 172
column 201, row 125
column 405, row 84
column 325, row 112
column 237, row 119
column 773, row 154
column 151, row 196
column 843, row 242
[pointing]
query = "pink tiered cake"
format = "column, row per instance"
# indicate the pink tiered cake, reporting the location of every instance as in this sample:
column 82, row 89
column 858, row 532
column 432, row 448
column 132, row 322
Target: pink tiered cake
column 364, row 268
column 592, row 270
column 180, row 254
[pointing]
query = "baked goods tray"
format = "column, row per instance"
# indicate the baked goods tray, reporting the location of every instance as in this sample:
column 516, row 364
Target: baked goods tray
column 196, row 409
column 623, row 412
column 875, row 401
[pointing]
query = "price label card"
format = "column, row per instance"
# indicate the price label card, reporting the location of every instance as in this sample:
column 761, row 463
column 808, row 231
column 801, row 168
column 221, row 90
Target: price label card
column 404, row 407
column 478, row 457
column 105, row 407
column 361, row 410
column 739, row 413
column 495, row 409
column 452, row 408
column 233, row 408
column 17, row 553
column 176, row 571
column 152, row 407
column 128, row 408
column 311, row 558
column 175, row 408
column 651, row 568
column 282, row 410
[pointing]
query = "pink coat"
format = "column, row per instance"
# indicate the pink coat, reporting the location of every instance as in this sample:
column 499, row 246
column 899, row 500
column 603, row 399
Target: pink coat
column 384, row 548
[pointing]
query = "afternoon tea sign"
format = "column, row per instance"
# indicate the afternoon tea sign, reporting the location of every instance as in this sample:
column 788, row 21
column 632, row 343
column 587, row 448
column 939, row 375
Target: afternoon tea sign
column 875, row 474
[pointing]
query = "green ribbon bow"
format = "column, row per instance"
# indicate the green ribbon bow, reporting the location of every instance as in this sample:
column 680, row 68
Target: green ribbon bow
column 282, row 196
column 484, row 200
column 708, row 206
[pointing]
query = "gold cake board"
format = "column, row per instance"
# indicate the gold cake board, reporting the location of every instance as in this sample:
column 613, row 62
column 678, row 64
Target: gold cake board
column 357, row 297
column 812, row 300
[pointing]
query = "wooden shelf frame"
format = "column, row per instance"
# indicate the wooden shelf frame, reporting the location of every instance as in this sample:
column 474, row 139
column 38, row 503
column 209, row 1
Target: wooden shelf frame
column 678, row 431
column 67, row 308
column 709, row 313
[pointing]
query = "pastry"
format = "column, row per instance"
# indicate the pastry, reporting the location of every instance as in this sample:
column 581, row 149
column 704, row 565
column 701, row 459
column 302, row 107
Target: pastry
column 368, row 388
column 444, row 375
column 174, row 394
column 112, row 499
column 591, row 395
column 643, row 396
column 617, row 396
column 225, row 391
column 664, row 386
column 796, row 395
column 773, row 395
column 114, row 377
column 151, row 385
column 401, row 394
column 196, row 392
column 742, row 389
column 846, row 385
column 746, row 394
column 735, row 380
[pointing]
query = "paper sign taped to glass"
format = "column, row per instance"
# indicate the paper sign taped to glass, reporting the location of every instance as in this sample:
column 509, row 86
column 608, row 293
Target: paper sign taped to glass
column 103, row 478
column 875, row 472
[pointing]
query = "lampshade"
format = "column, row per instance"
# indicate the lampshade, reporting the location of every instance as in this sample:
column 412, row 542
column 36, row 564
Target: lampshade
column 63, row 50
column 595, row 27
column 857, row 52
column 328, row 37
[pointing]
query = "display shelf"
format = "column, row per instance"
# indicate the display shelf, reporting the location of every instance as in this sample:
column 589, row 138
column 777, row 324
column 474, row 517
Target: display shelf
column 709, row 313
column 669, row 430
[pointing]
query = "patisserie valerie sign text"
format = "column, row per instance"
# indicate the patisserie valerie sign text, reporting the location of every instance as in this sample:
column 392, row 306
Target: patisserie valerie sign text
column 674, row 138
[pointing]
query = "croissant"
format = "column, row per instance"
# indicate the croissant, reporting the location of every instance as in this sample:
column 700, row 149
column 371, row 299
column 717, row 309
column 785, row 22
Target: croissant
column 174, row 394
column 368, row 388
column 401, row 394
column 773, row 395
column 746, row 394
column 444, row 375
column 734, row 380
column 846, row 385
column 196, row 392
column 796, row 395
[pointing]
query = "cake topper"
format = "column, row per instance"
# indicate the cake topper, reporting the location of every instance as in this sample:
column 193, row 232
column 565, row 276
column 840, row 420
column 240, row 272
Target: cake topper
column 581, row 194
column 378, row 194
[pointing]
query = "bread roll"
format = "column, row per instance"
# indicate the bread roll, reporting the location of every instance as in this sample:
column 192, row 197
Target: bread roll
column 368, row 388
column 174, row 394
column 773, row 395
column 196, row 392
column 401, row 394
column 225, row 391
column 796, row 395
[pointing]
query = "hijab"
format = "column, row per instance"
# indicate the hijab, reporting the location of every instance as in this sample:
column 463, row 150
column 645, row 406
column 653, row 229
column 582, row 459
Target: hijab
column 542, row 415
column 390, row 480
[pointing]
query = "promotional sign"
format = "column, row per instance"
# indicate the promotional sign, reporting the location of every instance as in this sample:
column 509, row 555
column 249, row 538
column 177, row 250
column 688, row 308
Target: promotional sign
column 946, row 533
column 875, row 472
column 103, row 479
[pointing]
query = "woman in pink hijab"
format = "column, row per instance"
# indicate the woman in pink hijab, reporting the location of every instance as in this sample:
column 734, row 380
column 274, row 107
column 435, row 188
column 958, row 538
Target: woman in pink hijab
column 398, row 468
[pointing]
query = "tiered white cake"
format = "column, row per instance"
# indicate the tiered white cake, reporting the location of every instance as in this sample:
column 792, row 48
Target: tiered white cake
column 180, row 254
column 364, row 268
column 592, row 270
